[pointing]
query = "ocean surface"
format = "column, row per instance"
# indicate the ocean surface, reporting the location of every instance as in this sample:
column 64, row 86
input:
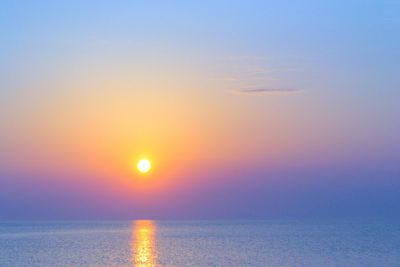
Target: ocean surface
column 199, row 243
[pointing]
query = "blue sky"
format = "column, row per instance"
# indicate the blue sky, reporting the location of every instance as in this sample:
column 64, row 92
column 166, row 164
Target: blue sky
column 289, row 103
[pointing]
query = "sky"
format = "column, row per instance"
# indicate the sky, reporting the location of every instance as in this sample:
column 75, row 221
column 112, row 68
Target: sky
column 246, row 109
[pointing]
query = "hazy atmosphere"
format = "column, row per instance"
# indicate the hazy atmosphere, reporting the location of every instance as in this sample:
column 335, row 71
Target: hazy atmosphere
column 245, row 109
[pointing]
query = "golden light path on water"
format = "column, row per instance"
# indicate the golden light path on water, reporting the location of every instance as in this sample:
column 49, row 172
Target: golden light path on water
column 143, row 244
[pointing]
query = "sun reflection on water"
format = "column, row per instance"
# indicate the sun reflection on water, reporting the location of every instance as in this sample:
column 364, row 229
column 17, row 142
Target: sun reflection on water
column 143, row 244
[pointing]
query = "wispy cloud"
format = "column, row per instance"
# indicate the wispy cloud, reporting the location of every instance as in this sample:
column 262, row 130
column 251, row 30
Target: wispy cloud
column 254, row 75
column 265, row 91
column 244, row 58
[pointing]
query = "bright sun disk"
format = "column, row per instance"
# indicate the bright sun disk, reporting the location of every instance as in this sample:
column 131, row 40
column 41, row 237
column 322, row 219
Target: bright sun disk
column 144, row 165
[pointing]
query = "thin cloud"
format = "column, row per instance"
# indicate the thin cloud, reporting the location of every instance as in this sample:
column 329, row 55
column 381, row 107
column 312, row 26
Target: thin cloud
column 244, row 58
column 255, row 75
column 266, row 91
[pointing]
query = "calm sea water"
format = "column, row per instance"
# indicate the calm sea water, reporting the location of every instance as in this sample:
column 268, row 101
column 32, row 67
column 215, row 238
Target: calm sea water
column 202, row 243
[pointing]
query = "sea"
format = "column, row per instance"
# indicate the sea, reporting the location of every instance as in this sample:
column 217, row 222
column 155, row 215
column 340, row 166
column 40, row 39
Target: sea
column 148, row 243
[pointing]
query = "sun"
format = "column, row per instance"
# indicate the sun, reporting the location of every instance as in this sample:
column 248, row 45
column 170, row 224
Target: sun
column 143, row 165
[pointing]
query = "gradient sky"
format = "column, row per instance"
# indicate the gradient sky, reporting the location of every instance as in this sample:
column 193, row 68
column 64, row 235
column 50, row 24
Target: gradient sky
column 247, row 109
